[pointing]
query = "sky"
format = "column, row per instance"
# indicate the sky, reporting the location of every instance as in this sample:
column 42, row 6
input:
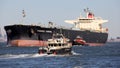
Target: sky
column 57, row 11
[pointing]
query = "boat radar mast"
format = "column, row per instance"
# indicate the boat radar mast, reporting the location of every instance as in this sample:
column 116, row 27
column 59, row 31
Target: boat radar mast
column 89, row 14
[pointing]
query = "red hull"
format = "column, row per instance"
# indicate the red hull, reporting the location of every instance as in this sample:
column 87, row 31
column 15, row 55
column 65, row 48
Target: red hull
column 28, row 43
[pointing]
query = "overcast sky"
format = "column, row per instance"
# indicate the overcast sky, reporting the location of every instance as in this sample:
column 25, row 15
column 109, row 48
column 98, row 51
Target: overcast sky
column 43, row 11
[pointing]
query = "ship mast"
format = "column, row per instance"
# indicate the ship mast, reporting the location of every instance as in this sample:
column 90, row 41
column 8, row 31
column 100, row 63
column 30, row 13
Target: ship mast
column 87, row 12
column 23, row 16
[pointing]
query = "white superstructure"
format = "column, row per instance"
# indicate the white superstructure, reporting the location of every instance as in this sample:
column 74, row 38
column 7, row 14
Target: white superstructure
column 90, row 23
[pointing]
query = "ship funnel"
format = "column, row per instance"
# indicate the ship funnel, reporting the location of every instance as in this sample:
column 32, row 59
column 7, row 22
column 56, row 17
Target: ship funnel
column 90, row 15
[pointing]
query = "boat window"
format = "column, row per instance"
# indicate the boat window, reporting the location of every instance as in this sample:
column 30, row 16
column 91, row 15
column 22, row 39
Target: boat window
column 59, row 36
column 55, row 44
column 52, row 45
column 49, row 44
column 59, row 44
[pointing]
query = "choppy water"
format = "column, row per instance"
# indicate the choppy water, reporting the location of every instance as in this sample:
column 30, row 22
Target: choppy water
column 107, row 56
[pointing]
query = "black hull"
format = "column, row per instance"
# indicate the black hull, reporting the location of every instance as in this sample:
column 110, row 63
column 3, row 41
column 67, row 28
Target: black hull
column 29, row 32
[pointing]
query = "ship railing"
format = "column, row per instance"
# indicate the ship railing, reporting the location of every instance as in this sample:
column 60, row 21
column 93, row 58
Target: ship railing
column 64, row 27
column 103, row 30
column 64, row 45
column 98, row 18
column 53, row 26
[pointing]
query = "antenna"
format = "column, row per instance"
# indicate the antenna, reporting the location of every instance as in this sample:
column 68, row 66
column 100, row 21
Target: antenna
column 23, row 16
column 86, row 10
column 80, row 15
column 23, row 12
column 60, row 30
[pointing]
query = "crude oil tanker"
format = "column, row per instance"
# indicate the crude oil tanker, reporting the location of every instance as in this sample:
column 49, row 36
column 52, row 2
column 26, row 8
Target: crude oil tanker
column 89, row 28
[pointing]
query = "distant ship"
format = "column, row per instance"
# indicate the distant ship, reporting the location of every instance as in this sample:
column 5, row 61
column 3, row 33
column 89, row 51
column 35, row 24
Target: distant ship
column 89, row 28
column 117, row 39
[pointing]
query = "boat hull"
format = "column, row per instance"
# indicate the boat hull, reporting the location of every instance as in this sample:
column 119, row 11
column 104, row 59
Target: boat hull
column 38, row 34
column 61, row 51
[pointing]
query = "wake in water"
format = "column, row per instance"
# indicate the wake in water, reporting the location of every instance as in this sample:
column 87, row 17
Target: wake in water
column 13, row 56
column 74, row 53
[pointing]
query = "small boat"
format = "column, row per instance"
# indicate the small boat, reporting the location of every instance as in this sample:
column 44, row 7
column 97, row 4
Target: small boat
column 79, row 41
column 57, row 45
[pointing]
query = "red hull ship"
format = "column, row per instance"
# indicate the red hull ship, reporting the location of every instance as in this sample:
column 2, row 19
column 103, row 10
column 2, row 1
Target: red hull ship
column 79, row 41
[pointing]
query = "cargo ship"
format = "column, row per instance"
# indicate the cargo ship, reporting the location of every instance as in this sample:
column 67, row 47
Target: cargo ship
column 89, row 28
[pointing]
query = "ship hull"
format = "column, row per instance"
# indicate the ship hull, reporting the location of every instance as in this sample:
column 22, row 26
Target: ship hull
column 29, row 35
column 28, row 43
